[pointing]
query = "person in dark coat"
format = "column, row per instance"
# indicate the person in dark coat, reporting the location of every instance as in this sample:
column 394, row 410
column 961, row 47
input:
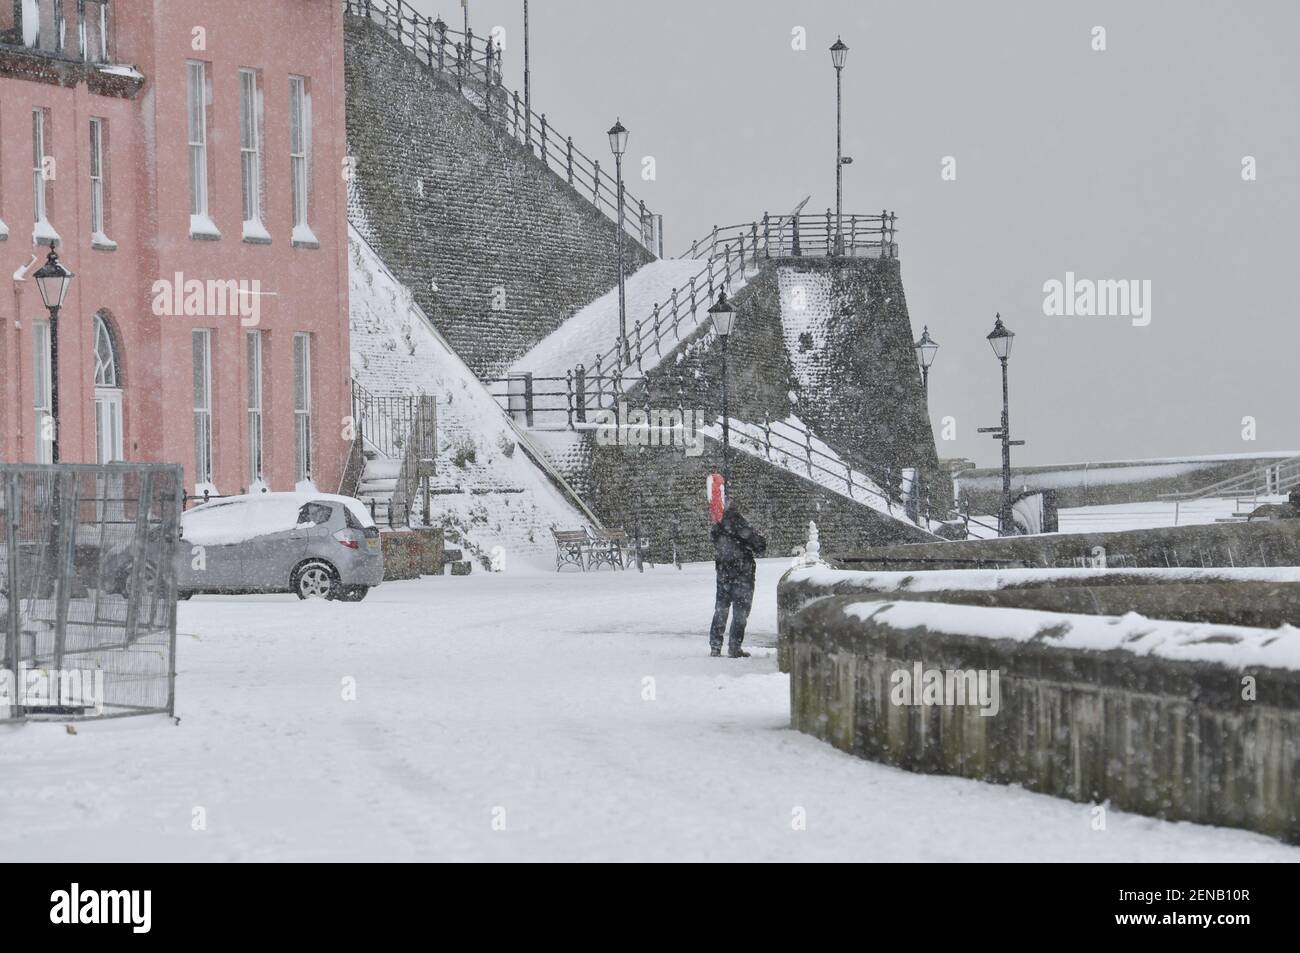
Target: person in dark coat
column 735, row 544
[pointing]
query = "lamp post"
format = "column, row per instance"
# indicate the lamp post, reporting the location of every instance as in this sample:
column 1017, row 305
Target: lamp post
column 528, row 84
column 723, row 316
column 1000, row 340
column 839, row 53
column 618, row 145
column 52, row 280
column 926, row 348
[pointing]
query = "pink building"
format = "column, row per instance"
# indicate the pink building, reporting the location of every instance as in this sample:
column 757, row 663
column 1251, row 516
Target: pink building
column 186, row 157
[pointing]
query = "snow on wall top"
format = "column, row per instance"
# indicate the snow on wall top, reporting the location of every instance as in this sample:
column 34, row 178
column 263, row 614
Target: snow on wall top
column 985, row 580
column 1234, row 647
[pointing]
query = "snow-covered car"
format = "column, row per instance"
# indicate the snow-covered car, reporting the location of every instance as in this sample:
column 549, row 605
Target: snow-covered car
column 316, row 545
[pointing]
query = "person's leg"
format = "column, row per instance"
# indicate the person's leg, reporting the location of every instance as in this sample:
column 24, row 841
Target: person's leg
column 742, row 595
column 720, row 606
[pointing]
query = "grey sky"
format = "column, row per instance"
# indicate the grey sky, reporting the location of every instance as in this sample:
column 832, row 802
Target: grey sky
column 1117, row 164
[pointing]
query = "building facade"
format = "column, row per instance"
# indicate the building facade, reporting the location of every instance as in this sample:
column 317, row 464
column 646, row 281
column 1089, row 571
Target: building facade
column 186, row 159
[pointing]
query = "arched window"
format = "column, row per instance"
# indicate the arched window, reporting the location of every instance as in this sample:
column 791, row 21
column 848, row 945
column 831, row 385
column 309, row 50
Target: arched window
column 108, row 394
column 106, row 371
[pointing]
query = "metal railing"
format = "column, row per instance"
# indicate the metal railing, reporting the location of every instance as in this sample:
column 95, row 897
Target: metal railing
column 474, row 64
column 384, row 422
column 805, row 235
column 573, row 401
column 730, row 253
column 1272, row 480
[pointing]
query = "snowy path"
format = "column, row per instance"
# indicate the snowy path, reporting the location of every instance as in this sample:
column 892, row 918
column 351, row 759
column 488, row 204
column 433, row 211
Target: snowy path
column 521, row 692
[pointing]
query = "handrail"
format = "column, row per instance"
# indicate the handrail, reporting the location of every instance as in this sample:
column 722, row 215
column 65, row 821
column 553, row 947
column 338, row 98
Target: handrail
column 476, row 69
column 1250, row 480
column 731, row 251
column 803, row 235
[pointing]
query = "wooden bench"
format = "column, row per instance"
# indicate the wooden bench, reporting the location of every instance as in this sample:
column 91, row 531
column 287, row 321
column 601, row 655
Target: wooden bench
column 608, row 548
column 571, row 547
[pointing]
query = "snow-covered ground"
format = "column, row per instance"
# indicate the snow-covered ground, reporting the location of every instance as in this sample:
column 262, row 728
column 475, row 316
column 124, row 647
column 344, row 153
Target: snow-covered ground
column 579, row 712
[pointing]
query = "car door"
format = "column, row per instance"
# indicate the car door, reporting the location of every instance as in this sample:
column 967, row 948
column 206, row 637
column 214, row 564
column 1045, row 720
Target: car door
column 209, row 555
column 277, row 554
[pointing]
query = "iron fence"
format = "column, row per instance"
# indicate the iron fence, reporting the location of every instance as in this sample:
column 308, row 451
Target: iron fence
column 473, row 63
column 88, row 589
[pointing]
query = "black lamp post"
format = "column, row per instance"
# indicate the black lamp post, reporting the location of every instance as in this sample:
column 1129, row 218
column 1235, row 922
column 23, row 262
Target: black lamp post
column 1000, row 340
column 839, row 53
column 926, row 348
column 52, row 280
column 724, row 320
column 618, row 145
column 528, row 78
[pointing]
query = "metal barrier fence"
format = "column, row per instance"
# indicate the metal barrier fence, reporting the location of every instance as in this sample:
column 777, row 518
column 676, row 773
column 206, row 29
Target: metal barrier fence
column 88, row 589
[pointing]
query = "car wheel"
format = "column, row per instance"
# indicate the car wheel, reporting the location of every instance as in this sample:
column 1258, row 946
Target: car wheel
column 315, row 580
column 353, row 593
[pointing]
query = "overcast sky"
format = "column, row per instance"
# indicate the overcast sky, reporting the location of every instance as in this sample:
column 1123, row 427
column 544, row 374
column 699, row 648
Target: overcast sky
column 1119, row 164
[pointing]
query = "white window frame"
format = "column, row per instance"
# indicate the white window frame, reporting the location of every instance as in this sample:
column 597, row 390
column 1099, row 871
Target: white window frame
column 300, row 159
column 42, row 387
column 302, row 405
column 98, row 193
column 204, row 464
column 197, row 99
column 253, row 357
column 43, row 232
column 83, row 38
column 250, row 153
column 108, row 396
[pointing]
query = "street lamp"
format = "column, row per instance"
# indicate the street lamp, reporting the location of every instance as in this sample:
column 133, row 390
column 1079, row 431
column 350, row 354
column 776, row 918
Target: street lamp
column 926, row 348
column 618, row 145
column 1000, row 340
column 839, row 53
column 723, row 316
column 52, row 280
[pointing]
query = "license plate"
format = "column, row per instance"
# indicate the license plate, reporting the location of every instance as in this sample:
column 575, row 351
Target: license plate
column 373, row 544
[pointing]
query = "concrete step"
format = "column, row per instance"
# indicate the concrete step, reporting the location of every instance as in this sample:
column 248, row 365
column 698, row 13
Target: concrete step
column 376, row 486
column 381, row 469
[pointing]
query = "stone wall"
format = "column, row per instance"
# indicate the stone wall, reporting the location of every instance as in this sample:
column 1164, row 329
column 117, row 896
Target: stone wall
column 448, row 198
column 1106, row 483
column 667, row 490
column 1169, row 738
column 1262, row 543
column 828, row 341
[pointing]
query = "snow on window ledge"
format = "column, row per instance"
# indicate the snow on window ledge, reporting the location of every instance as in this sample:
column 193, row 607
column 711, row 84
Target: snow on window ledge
column 203, row 228
column 43, row 233
column 304, row 237
column 255, row 233
column 102, row 242
column 120, row 69
column 209, row 488
column 305, row 486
